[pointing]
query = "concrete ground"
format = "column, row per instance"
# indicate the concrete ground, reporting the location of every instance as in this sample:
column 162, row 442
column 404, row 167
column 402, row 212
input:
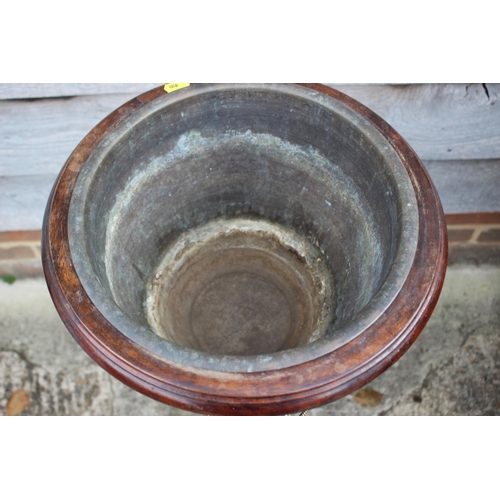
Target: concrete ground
column 452, row 369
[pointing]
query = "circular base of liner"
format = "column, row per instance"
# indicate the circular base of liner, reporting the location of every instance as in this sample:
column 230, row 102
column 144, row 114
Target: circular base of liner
column 241, row 287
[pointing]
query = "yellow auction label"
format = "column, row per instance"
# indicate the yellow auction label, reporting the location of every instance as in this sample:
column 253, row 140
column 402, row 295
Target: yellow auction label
column 172, row 87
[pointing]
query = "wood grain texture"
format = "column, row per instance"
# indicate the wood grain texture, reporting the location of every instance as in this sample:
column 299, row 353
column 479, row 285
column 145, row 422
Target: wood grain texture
column 440, row 122
column 467, row 186
column 36, row 137
column 259, row 393
column 44, row 90
column 23, row 200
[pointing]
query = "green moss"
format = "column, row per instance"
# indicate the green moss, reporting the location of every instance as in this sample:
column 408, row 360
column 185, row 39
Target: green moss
column 8, row 278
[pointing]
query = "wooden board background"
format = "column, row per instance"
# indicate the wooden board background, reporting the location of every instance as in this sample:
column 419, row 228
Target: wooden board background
column 42, row 90
column 454, row 128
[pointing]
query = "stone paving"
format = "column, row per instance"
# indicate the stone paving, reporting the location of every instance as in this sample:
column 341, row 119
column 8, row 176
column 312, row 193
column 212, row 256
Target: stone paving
column 452, row 369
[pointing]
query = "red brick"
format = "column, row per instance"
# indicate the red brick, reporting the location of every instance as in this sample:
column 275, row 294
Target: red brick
column 35, row 235
column 473, row 219
column 16, row 253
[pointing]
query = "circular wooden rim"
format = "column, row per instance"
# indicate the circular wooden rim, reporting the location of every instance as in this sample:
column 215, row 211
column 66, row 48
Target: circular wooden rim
column 275, row 392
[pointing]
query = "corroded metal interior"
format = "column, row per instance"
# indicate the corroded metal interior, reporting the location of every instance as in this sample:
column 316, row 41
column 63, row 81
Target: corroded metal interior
column 243, row 227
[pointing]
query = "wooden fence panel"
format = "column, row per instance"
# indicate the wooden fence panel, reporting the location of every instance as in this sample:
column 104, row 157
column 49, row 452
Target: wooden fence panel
column 454, row 128
column 22, row 201
column 36, row 137
column 467, row 186
column 441, row 122
column 44, row 90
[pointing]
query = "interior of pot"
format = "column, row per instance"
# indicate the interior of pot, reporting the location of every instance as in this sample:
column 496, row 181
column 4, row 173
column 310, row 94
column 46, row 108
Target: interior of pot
column 242, row 220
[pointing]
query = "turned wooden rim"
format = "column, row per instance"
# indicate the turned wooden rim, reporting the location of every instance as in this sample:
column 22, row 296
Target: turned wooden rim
column 280, row 391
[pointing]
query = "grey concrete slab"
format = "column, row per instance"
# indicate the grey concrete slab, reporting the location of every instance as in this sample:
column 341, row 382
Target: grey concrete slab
column 38, row 354
column 452, row 369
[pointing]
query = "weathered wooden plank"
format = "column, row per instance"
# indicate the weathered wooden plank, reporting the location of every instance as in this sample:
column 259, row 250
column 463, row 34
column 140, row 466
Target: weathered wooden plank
column 41, row 90
column 467, row 186
column 36, row 137
column 463, row 186
column 23, row 200
column 441, row 122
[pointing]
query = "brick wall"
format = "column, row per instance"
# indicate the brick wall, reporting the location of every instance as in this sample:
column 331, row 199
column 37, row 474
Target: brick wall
column 474, row 228
column 20, row 255
column 474, row 237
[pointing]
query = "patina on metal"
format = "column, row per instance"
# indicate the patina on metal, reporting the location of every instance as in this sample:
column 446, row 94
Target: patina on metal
column 230, row 231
